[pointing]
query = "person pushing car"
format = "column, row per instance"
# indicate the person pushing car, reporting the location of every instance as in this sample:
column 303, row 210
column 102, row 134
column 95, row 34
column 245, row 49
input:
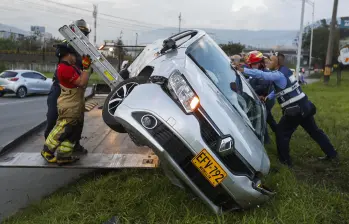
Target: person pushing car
column 263, row 88
column 297, row 109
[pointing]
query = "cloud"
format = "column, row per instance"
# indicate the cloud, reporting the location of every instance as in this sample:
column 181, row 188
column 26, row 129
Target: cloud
column 248, row 4
column 153, row 14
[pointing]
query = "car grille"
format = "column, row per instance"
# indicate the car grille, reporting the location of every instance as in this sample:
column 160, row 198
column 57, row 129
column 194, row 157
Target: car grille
column 180, row 153
column 233, row 161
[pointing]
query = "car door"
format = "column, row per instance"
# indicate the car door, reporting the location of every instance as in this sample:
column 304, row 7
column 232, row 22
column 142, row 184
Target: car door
column 41, row 81
column 30, row 82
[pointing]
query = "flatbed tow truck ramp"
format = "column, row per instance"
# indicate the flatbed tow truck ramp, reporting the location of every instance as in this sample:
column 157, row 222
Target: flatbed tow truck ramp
column 106, row 148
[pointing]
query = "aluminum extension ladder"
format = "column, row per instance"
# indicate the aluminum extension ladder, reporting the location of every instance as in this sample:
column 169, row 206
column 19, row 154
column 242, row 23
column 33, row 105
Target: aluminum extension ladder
column 83, row 46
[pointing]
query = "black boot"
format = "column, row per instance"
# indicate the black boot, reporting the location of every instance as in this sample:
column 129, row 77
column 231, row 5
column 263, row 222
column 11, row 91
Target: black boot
column 80, row 149
column 329, row 158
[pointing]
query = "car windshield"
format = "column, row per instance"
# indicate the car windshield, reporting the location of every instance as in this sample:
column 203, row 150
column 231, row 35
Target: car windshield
column 216, row 65
column 8, row 74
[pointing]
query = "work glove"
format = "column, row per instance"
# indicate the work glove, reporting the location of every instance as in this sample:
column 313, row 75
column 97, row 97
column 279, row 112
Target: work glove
column 86, row 61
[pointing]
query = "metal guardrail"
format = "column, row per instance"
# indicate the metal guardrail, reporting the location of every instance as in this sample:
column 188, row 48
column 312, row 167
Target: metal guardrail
column 26, row 52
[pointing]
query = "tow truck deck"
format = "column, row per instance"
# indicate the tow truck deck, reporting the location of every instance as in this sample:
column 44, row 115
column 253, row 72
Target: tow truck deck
column 106, row 148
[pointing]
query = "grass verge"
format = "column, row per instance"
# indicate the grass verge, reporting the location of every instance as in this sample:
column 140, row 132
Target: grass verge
column 313, row 192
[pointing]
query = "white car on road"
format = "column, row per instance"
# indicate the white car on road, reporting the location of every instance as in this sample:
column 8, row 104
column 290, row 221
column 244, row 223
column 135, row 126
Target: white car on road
column 24, row 82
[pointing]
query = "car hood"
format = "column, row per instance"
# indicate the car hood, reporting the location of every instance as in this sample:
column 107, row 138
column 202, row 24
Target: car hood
column 227, row 119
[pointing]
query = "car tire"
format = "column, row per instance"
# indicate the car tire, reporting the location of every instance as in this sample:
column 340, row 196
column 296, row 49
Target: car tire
column 118, row 93
column 21, row 92
column 2, row 94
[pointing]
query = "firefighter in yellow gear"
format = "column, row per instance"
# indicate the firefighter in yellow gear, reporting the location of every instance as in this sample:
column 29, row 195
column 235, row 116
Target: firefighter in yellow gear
column 71, row 107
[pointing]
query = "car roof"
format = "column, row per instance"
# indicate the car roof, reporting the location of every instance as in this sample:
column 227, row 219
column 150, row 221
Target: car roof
column 22, row 71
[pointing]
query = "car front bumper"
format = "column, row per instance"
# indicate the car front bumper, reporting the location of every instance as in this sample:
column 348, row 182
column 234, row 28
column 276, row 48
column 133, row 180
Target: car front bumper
column 177, row 139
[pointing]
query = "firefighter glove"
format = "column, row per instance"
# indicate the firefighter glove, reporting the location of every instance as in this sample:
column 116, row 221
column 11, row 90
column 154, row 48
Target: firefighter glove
column 86, row 61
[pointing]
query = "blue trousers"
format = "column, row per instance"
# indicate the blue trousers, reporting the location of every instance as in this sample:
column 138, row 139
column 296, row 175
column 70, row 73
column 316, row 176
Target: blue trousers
column 269, row 104
column 286, row 127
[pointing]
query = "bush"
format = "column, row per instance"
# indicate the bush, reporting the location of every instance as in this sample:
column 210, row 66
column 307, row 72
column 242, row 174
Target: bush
column 3, row 66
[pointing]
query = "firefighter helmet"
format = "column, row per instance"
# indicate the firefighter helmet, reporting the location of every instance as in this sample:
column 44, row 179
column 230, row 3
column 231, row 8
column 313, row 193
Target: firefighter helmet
column 254, row 57
column 83, row 26
column 63, row 49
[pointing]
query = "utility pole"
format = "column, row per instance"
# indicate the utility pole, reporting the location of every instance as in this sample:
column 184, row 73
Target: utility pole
column 312, row 36
column 329, row 55
column 180, row 20
column 136, row 44
column 95, row 23
column 300, row 39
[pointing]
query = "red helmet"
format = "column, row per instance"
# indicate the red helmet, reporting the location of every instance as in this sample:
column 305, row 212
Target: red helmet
column 254, row 57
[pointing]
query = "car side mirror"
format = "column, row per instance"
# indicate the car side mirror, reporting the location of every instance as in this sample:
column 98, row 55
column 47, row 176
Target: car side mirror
column 44, row 78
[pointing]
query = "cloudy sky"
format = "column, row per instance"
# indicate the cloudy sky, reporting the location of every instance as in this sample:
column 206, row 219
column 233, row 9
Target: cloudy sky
column 137, row 16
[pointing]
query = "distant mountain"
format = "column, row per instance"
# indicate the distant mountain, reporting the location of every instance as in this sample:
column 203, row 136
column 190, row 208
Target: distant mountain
column 12, row 29
column 259, row 39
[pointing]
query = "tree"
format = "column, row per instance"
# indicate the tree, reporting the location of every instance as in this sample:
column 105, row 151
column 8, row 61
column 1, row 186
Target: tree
column 232, row 48
column 320, row 42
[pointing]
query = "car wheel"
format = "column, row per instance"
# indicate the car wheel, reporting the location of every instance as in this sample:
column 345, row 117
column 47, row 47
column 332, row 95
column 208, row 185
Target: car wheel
column 21, row 92
column 115, row 98
column 1, row 94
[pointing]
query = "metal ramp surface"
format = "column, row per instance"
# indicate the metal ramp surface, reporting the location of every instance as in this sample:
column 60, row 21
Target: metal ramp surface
column 106, row 148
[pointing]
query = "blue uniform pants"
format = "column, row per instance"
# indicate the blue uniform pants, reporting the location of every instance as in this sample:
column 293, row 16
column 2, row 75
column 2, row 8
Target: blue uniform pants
column 269, row 104
column 286, row 127
column 52, row 112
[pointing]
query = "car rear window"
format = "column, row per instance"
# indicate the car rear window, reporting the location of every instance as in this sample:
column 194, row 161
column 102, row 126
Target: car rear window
column 8, row 74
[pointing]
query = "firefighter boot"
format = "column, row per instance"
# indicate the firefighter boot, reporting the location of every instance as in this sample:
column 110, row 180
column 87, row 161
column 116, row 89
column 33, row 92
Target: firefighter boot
column 61, row 160
column 48, row 155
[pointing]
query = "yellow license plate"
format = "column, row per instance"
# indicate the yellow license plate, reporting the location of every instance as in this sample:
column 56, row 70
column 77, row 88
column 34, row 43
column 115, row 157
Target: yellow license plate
column 1, row 88
column 209, row 168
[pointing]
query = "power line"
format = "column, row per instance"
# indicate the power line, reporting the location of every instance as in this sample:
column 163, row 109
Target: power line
column 116, row 17
column 46, row 11
column 54, row 9
column 104, row 14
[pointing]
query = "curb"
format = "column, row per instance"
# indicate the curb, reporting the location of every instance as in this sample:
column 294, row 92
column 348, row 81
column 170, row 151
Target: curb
column 16, row 141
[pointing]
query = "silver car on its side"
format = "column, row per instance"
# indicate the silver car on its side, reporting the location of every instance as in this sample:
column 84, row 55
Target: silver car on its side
column 199, row 115
column 24, row 82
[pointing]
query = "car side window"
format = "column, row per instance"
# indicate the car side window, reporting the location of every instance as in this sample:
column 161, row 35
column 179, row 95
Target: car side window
column 38, row 76
column 27, row 75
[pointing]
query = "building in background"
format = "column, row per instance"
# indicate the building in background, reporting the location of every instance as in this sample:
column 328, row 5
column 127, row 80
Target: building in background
column 40, row 32
column 7, row 32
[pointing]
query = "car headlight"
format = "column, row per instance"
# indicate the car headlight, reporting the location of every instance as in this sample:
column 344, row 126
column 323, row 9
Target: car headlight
column 182, row 92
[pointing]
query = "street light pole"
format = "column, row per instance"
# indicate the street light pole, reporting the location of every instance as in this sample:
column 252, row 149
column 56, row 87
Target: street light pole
column 136, row 45
column 329, row 55
column 312, row 36
column 300, row 39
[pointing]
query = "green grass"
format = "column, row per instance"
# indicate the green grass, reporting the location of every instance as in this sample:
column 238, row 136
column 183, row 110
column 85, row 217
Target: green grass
column 94, row 79
column 313, row 192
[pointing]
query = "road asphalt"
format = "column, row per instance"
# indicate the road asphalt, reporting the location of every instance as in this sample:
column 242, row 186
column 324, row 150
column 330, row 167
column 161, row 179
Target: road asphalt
column 22, row 186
